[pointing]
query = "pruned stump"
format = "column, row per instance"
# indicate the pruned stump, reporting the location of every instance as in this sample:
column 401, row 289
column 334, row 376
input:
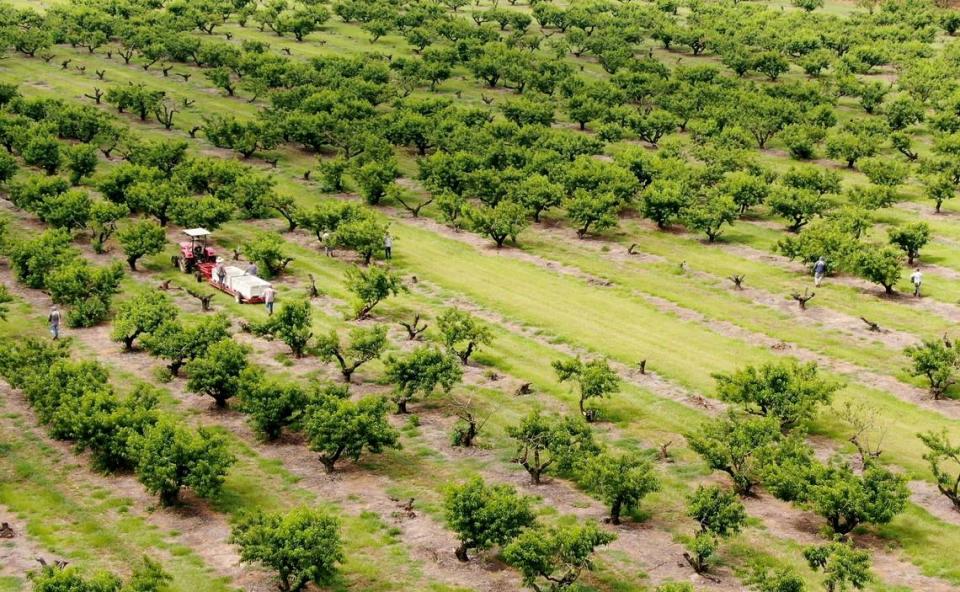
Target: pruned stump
column 802, row 300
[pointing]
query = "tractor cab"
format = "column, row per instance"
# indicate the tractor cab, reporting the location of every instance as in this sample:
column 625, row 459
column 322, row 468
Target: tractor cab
column 194, row 251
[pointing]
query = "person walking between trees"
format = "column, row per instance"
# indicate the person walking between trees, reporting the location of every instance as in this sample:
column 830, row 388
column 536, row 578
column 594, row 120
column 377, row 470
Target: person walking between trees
column 54, row 319
column 220, row 272
column 269, row 295
column 819, row 269
column 327, row 247
column 916, row 279
column 387, row 246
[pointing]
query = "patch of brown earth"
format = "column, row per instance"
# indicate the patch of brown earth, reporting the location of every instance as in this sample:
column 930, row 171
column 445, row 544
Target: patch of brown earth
column 18, row 555
column 927, row 496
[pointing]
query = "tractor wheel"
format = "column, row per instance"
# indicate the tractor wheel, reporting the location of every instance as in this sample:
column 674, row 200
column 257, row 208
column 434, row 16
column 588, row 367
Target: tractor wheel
column 183, row 264
column 238, row 298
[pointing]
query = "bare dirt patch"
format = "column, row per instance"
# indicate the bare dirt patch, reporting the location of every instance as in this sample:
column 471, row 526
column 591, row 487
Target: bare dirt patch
column 926, row 495
column 18, row 554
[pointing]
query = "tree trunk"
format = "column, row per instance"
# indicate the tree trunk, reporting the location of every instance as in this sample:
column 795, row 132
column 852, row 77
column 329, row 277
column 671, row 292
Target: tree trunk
column 365, row 310
column 221, row 401
column 953, row 496
column 330, row 461
column 696, row 562
column 470, row 435
column 741, row 485
column 465, row 355
column 401, row 406
column 461, row 553
column 169, row 497
column 128, row 341
column 615, row 511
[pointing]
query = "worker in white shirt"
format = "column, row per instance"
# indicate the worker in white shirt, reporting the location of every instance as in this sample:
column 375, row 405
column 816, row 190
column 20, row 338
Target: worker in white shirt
column 916, row 279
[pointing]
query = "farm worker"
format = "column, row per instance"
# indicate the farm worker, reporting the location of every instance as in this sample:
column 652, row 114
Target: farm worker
column 269, row 295
column 327, row 247
column 54, row 319
column 220, row 272
column 252, row 270
column 387, row 246
column 819, row 269
column 916, row 279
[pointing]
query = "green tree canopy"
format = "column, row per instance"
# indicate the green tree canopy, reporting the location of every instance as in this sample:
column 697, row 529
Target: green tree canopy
column 340, row 428
column 544, row 442
column 592, row 213
column 594, row 378
column 485, row 515
column 300, row 546
column 937, row 360
column 878, row 264
column 462, row 334
column 733, row 444
column 180, row 342
column 843, row 566
column 267, row 249
column 421, row 371
column 140, row 238
column 293, row 325
column 505, row 220
column 553, row 559
column 910, row 238
column 788, row 391
column 172, row 457
column 621, row 481
column 719, row 514
column 847, row 500
column 217, row 372
column 366, row 344
column 371, row 286
column 143, row 313
column 944, row 459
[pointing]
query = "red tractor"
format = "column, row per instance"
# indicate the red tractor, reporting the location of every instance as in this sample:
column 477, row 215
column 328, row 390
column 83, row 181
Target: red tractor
column 195, row 254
